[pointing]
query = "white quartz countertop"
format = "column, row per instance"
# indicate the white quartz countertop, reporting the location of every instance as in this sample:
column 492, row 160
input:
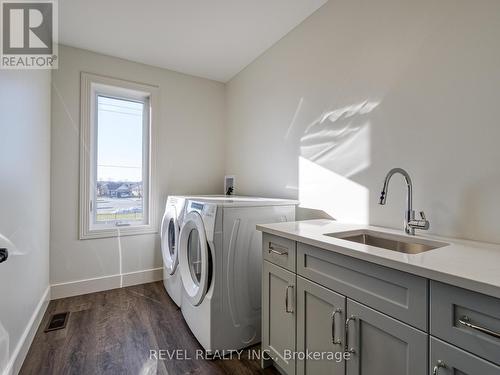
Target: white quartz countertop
column 467, row 264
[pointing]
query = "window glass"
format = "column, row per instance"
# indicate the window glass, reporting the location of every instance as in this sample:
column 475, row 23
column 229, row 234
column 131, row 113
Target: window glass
column 119, row 187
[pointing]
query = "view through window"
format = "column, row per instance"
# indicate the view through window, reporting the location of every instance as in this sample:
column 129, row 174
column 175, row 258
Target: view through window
column 120, row 194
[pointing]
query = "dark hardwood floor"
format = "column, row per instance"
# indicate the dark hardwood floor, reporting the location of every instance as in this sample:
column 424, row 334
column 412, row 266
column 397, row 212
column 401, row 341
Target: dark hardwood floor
column 112, row 332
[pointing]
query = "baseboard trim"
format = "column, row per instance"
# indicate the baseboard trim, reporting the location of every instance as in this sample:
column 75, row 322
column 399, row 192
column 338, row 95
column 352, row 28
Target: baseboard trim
column 23, row 346
column 99, row 284
column 142, row 277
column 76, row 288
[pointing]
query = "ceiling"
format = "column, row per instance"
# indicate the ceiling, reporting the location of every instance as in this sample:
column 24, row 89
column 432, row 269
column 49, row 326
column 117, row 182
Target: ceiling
column 214, row 39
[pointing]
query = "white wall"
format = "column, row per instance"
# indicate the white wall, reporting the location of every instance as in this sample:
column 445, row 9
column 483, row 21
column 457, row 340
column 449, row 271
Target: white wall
column 414, row 84
column 405, row 83
column 24, row 210
column 190, row 160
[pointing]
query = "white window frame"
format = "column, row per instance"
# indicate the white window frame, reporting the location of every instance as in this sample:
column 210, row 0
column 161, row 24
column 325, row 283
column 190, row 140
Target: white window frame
column 92, row 86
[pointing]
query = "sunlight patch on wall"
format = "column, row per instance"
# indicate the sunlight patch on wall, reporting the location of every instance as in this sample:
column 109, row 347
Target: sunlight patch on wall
column 334, row 148
column 325, row 190
column 340, row 139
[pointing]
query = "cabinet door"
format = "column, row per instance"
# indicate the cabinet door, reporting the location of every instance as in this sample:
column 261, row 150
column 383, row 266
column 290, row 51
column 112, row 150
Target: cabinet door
column 278, row 316
column 320, row 329
column 450, row 360
column 381, row 345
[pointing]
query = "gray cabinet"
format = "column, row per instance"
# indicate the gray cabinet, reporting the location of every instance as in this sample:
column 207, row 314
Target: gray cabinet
column 378, row 344
column 395, row 293
column 383, row 345
column 466, row 319
column 320, row 329
column 278, row 250
column 318, row 304
column 278, row 319
column 450, row 360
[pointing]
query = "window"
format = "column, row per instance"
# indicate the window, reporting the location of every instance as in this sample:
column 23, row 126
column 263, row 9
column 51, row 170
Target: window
column 117, row 186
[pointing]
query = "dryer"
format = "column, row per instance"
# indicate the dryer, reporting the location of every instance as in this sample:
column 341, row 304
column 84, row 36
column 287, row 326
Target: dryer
column 220, row 260
column 169, row 235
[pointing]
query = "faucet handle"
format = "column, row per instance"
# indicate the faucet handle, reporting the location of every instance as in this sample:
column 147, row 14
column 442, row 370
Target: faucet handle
column 421, row 224
column 382, row 197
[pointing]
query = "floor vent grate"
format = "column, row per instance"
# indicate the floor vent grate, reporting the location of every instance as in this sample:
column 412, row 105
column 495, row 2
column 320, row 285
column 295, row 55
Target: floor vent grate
column 57, row 321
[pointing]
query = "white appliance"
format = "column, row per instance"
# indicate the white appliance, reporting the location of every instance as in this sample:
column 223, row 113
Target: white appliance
column 220, row 260
column 169, row 234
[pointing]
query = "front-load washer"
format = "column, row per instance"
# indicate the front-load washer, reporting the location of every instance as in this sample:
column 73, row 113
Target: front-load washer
column 169, row 235
column 220, row 262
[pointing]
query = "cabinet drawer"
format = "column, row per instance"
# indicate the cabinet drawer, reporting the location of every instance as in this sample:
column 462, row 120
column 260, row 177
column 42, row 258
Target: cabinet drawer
column 395, row 293
column 466, row 319
column 279, row 250
column 450, row 360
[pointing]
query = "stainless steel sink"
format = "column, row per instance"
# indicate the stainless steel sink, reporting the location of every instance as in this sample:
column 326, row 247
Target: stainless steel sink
column 388, row 241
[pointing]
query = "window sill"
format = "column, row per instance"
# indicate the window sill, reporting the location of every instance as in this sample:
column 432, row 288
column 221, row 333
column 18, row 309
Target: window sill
column 117, row 232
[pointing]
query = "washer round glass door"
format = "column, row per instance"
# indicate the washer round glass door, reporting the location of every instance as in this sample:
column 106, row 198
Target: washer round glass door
column 169, row 237
column 194, row 258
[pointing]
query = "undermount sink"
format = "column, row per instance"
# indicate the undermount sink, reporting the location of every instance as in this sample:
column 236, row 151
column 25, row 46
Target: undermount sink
column 388, row 241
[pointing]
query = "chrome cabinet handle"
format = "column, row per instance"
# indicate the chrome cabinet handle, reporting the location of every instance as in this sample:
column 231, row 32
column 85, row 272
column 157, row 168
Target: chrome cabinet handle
column 273, row 248
column 465, row 321
column 286, row 300
column 347, row 349
column 335, row 341
column 439, row 364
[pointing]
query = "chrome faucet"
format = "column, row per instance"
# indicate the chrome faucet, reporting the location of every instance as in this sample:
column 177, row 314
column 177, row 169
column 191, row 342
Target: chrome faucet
column 410, row 223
